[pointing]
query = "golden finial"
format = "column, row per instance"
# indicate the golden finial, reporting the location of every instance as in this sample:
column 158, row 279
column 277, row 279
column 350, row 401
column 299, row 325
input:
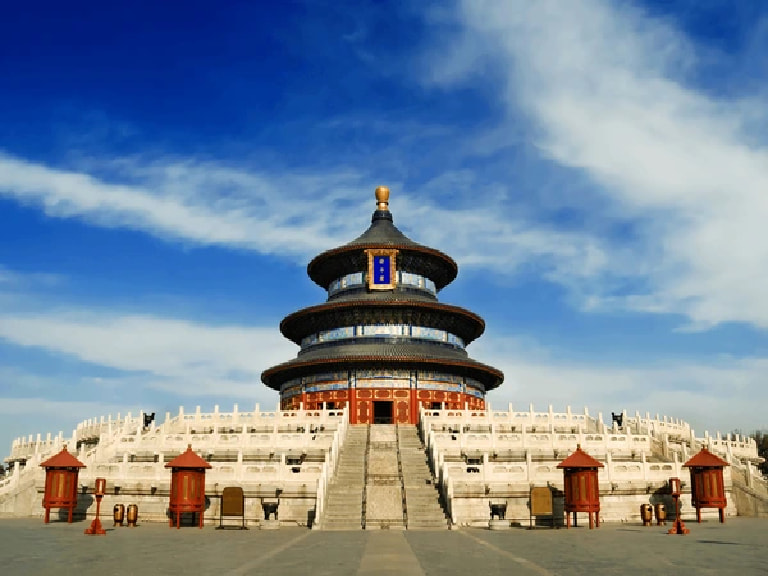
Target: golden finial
column 382, row 198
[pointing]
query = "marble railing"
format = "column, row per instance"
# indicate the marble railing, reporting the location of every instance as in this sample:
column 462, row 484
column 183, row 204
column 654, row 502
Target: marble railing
column 273, row 447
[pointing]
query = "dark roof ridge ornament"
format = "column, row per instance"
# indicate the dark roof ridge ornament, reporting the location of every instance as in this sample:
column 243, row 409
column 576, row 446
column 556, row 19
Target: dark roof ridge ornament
column 382, row 205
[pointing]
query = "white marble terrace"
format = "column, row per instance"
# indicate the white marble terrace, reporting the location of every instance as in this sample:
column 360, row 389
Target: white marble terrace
column 480, row 457
column 286, row 454
column 477, row 457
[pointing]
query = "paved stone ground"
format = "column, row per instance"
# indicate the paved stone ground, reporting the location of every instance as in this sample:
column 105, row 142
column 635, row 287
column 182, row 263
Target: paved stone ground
column 27, row 546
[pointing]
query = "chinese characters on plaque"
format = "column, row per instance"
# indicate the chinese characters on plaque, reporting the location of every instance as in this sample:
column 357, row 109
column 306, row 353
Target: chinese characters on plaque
column 381, row 269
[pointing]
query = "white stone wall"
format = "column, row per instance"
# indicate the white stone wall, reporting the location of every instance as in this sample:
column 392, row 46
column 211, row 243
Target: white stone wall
column 484, row 456
column 285, row 455
column 476, row 456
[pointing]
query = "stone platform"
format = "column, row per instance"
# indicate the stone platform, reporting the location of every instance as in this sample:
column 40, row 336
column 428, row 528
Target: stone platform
column 28, row 546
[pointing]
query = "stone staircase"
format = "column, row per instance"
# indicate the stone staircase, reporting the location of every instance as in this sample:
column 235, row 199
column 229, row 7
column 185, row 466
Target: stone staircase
column 344, row 504
column 383, row 482
column 422, row 500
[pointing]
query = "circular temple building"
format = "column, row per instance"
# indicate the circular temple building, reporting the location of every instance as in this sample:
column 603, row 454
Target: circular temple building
column 382, row 345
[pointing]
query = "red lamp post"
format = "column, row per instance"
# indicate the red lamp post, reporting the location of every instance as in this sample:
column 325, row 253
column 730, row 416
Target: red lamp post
column 61, row 473
column 101, row 487
column 187, row 485
column 582, row 493
column 678, row 527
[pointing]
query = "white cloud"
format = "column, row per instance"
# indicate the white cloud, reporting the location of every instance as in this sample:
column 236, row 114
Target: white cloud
column 193, row 201
column 493, row 238
column 609, row 92
column 714, row 394
column 41, row 415
column 41, row 408
column 183, row 357
column 12, row 279
column 604, row 89
column 297, row 215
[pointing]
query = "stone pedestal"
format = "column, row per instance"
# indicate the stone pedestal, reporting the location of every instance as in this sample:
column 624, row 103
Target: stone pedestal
column 269, row 524
column 498, row 525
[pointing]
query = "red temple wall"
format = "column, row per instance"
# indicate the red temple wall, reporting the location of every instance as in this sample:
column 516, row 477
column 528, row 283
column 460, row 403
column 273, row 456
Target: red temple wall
column 405, row 403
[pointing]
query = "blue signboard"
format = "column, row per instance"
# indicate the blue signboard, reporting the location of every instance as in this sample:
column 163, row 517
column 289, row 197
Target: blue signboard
column 381, row 270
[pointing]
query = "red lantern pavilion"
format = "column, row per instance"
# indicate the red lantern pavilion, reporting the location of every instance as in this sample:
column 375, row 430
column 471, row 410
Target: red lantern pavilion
column 187, row 485
column 707, row 486
column 582, row 493
column 61, row 473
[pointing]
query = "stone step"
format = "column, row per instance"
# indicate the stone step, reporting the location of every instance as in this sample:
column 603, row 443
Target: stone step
column 425, row 497
column 345, row 494
column 343, row 508
column 344, row 501
column 344, row 514
column 340, row 500
column 422, row 503
column 424, row 513
column 412, row 500
column 342, row 526
column 419, row 515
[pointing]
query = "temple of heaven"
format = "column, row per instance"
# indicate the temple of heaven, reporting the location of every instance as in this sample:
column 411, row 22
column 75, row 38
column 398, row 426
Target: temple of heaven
column 381, row 344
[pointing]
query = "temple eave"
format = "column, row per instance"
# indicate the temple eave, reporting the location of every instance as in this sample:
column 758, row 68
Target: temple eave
column 327, row 266
column 273, row 377
column 468, row 325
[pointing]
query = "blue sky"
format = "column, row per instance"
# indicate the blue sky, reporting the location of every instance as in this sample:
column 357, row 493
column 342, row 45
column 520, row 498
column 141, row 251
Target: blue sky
column 599, row 170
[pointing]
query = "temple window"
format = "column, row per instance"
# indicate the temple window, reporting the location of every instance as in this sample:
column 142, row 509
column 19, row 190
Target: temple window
column 405, row 279
column 383, row 331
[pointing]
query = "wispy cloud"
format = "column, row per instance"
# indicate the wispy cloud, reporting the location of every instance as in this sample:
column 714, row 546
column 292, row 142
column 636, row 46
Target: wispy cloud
column 670, row 199
column 493, row 237
column 611, row 93
column 700, row 392
column 293, row 215
column 192, row 201
column 43, row 407
column 14, row 280
column 184, row 357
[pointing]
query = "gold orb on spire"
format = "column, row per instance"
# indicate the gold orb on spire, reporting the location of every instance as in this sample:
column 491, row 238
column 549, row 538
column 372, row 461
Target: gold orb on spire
column 382, row 198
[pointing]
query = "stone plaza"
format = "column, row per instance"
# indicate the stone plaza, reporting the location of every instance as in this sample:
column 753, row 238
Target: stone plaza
column 28, row 546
